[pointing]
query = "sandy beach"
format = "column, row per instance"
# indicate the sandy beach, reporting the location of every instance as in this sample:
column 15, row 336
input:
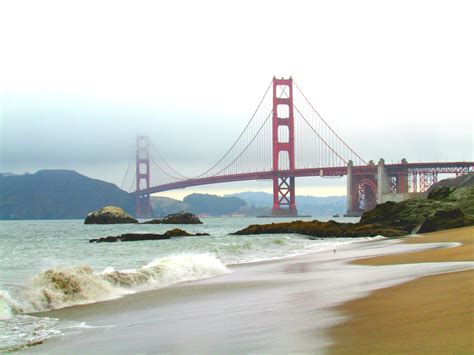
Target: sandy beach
column 299, row 304
column 427, row 315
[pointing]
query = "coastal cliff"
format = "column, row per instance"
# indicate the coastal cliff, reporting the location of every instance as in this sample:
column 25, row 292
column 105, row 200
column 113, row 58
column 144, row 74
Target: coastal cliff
column 448, row 204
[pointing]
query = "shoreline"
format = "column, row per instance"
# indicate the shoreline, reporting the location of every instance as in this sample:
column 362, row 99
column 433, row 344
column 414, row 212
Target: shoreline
column 277, row 305
column 431, row 313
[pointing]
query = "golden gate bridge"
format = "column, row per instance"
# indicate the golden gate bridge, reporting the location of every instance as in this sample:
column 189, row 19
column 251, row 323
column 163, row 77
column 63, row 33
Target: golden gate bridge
column 286, row 138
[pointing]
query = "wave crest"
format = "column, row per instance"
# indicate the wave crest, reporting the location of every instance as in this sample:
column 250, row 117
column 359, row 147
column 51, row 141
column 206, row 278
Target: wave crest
column 61, row 286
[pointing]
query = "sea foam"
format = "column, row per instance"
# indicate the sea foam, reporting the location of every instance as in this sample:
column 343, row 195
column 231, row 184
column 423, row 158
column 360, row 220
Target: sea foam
column 61, row 287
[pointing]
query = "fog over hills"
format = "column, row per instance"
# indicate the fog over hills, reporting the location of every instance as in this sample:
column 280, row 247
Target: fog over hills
column 66, row 194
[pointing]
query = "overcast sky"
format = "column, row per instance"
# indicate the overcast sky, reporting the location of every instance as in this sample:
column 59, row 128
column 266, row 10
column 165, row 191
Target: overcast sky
column 79, row 80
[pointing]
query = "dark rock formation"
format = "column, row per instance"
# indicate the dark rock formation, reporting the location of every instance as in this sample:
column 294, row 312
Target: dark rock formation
column 317, row 229
column 465, row 180
column 443, row 220
column 177, row 218
column 181, row 233
column 109, row 215
column 440, row 193
column 447, row 205
column 177, row 233
column 132, row 237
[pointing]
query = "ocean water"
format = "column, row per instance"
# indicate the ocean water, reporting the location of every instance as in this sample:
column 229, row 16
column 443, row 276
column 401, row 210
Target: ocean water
column 50, row 264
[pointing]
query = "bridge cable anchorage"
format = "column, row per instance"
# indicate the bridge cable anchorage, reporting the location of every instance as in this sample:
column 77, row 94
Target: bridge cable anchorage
column 240, row 136
column 168, row 165
column 330, row 128
column 246, row 147
column 321, row 138
column 126, row 174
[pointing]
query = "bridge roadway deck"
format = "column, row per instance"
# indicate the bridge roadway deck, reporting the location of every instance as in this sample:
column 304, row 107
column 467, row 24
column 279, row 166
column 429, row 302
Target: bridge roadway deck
column 434, row 167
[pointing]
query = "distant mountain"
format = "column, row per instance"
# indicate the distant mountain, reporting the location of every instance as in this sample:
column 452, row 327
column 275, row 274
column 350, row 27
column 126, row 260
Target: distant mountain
column 163, row 206
column 64, row 194
column 312, row 205
column 258, row 198
column 57, row 194
column 213, row 205
column 204, row 205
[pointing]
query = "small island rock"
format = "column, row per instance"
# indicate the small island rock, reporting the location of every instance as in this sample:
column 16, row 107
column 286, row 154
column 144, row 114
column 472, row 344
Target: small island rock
column 177, row 218
column 109, row 215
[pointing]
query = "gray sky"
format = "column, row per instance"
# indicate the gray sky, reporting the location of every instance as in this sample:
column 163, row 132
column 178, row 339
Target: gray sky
column 80, row 79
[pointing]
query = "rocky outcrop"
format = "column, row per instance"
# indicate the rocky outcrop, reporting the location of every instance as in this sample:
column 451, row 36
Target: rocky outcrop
column 317, row 229
column 443, row 220
column 177, row 218
column 109, row 215
column 181, row 233
column 132, row 237
column 448, row 205
column 465, row 180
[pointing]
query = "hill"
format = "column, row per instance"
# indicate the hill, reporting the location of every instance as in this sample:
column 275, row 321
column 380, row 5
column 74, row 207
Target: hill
column 163, row 206
column 313, row 205
column 205, row 204
column 57, row 194
column 66, row 194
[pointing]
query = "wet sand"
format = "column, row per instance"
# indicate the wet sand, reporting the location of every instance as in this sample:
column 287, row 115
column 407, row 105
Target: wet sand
column 433, row 314
column 270, row 307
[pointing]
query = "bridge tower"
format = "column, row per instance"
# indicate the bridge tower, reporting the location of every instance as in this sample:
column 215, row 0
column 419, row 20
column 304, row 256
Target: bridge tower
column 143, row 207
column 283, row 148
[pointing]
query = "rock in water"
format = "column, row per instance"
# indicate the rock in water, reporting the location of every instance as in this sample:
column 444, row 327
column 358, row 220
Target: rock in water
column 177, row 233
column 177, row 218
column 181, row 233
column 131, row 237
column 109, row 215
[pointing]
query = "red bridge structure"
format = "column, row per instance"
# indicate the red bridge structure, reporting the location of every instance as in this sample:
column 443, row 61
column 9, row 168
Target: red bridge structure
column 287, row 138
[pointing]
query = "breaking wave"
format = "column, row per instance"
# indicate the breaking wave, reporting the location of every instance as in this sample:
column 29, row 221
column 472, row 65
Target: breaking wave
column 62, row 286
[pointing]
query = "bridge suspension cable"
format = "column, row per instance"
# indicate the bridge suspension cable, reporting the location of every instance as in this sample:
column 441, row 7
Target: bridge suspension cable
column 246, row 147
column 180, row 176
column 317, row 145
column 238, row 138
column 126, row 174
column 319, row 136
column 165, row 172
column 357, row 157
column 133, row 183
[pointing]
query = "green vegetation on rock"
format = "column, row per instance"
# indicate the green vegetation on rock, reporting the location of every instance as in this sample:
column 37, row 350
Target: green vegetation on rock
column 449, row 204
